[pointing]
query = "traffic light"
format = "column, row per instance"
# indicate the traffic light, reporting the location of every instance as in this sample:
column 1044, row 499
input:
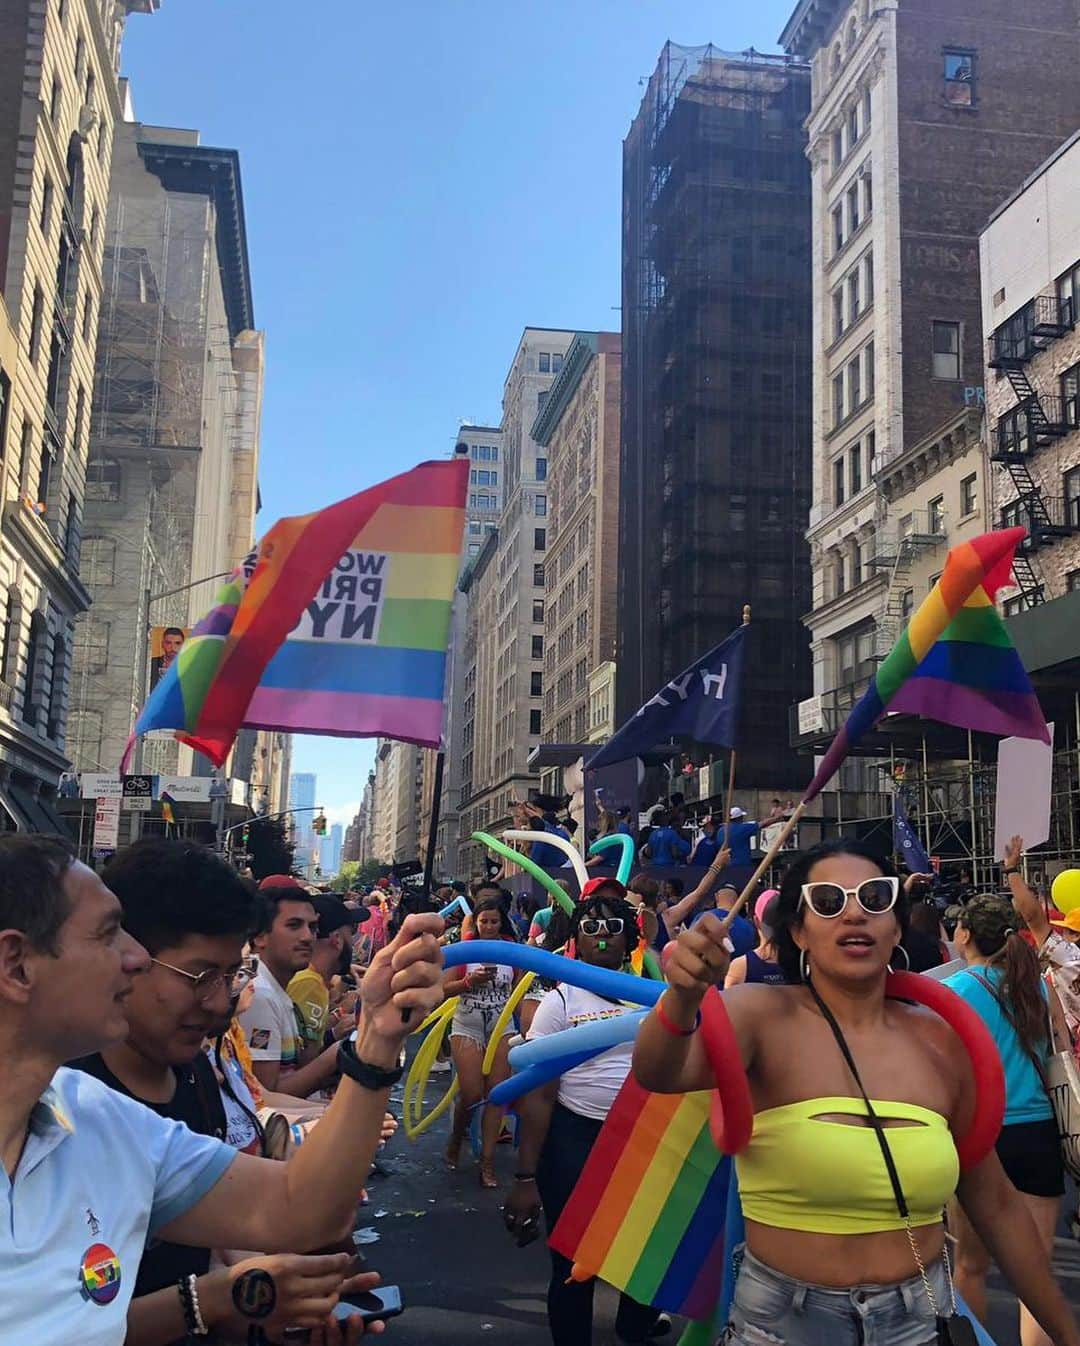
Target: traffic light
column 318, row 825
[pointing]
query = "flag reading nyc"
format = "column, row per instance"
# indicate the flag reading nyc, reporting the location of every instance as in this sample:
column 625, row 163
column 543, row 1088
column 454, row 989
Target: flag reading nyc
column 701, row 704
column 349, row 603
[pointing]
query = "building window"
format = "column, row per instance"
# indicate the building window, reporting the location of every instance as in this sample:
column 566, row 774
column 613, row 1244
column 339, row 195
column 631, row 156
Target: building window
column 1072, row 581
column 55, row 94
column 946, row 345
column 960, row 78
column 871, row 444
column 855, row 468
column 97, row 565
column 45, row 218
column 56, row 685
column 25, row 440
column 935, row 515
column 1070, row 395
column 545, row 362
column 853, row 207
column 1070, row 484
column 1012, row 607
column 854, row 374
column 867, row 195
column 838, row 313
column 539, row 539
column 538, row 647
column 856, row 564
column 49, row 453
column 538, row 576
column 838, row 482
column 9, row 655
column 853, row 296
column 538, row 610
column 853, row 124
column 35, row 323
column 967, row 495
column 80, row 416
column 474, row 528
column 837, row 148
column 867, row 106
column 541, row 469
column 556, row 362
column 474, row 548
column 103, row 479
column 1068, row 289
column 868, row 279
column 540, row 505
column 868, row 361
column 838, row 398
column 536, row 684
column 907, row 604
column 838, row 228
column 534, row 722
column 838, row 576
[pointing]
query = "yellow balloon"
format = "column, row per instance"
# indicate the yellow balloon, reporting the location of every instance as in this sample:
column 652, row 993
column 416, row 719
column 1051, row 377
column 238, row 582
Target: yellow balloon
column 1065, row 890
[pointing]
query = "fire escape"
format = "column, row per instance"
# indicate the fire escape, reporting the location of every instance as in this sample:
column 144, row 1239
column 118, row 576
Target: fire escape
column 897, row 548
column 1037, row 420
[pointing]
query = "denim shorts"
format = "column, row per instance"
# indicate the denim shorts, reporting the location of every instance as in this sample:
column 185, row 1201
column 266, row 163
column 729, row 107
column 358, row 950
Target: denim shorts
column 771, row 1309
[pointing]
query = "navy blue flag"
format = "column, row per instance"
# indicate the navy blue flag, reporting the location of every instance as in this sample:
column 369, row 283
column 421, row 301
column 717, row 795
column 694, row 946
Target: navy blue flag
column 701, row 704
column 906, row 841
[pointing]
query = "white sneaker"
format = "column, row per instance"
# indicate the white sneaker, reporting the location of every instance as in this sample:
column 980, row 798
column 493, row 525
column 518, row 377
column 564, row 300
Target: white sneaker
column 440, row 1067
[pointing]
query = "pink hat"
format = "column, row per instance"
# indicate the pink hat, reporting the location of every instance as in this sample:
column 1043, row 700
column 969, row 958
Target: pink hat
column 762, row 902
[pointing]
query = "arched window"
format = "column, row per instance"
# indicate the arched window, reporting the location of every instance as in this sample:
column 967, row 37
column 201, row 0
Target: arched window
column 31, row 709
column 56, row 684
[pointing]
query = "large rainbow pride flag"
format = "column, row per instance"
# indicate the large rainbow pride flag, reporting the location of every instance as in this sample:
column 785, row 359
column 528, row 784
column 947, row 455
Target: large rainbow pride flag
column 955, row 661
column 337, row 624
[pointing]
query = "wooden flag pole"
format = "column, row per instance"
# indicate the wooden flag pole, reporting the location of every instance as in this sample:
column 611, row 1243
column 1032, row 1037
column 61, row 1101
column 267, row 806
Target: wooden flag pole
column 731, row 766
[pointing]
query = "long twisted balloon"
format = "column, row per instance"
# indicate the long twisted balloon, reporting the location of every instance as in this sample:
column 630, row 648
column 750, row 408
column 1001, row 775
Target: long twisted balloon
column 626, row 860
column 541, row 876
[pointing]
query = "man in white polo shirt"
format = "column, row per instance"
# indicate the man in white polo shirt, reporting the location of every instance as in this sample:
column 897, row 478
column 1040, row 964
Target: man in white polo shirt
column 89, row 1175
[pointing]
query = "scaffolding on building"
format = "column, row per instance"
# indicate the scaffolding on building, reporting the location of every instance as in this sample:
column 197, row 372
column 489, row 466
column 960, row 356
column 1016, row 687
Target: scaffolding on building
column 715, row 480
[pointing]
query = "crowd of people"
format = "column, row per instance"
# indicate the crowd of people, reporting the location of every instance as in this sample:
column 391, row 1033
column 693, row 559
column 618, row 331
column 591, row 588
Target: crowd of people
column 199, row 1072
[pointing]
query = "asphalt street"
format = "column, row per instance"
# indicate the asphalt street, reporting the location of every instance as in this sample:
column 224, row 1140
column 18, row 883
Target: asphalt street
column 440, row 1238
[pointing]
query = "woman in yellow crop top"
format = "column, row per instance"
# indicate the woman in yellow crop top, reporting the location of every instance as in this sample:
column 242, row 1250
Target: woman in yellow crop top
column 828, row 1260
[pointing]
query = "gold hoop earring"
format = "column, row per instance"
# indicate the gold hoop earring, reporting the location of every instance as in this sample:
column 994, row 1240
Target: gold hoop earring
column 804, row 965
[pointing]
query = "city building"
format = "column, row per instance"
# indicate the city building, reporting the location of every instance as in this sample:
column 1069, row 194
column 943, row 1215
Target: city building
column 923, row 119
column 602, row 702
column 396, row 801
column 358, row 845
column 302, row 786
column 171, row 480
column 59, row 101
column 487, row 480
column 479, row 591
column 1030, row 268
column 715, row 445
column 578, row 426
column 505, row 649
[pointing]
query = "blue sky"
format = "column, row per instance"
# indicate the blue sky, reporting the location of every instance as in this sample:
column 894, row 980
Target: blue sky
column 421, row 181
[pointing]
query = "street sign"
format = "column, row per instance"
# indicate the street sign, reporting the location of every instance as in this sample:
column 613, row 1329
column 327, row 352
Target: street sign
column 100, row 785
column 106, row 826
column 138, row 793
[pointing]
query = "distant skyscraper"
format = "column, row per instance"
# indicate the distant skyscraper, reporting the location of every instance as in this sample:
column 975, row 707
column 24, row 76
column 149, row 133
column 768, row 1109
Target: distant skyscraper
column 302, row 797
column 332, row 850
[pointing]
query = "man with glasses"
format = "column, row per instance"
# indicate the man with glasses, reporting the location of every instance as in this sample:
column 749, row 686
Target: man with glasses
column 93, row 1177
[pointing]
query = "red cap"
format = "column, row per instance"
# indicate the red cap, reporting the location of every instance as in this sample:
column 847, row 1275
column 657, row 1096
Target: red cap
column 594, row 885
column 282, row 881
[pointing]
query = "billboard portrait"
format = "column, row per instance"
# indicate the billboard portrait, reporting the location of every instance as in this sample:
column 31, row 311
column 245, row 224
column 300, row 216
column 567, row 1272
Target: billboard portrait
column 166, row 642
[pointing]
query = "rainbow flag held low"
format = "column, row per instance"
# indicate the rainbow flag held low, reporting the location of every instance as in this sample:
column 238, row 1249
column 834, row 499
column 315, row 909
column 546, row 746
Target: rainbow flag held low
column 955, row 661
column 648, row 1212
column 337, row 624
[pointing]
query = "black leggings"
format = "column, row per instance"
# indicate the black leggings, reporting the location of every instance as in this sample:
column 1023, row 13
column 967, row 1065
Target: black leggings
column 570, row 1303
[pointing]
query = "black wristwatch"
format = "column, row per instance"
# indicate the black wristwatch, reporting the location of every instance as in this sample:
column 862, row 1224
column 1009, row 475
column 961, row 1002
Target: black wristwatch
column 1015, row 870
column 367, row 1076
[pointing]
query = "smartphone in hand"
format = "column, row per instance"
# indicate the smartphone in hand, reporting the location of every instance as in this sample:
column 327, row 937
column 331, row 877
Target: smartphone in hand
column 373, row 1306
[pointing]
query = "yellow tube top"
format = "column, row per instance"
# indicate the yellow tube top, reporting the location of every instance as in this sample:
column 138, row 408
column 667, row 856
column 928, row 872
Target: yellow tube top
column 829, row 1177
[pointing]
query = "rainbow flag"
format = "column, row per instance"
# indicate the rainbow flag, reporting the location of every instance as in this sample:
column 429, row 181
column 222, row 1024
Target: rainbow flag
column 337, row 624
column 955, row 661
column 648, row 1212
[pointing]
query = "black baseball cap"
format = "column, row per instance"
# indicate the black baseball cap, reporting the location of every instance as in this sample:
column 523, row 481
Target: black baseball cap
column 334, row 915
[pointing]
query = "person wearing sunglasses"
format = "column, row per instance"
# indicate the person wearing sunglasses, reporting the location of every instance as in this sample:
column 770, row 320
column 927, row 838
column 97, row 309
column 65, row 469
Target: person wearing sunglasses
column 561, row 1120
column 839, row 1074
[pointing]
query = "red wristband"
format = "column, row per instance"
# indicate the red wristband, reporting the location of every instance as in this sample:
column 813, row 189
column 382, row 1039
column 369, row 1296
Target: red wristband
column 673, row 1028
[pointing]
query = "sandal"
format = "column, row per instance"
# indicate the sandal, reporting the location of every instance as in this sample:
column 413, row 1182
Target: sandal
column 487, row 1174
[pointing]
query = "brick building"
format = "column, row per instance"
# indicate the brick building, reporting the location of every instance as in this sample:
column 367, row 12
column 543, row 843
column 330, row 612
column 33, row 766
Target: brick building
column 578, row 425
column 925, row 115
column 60, row 98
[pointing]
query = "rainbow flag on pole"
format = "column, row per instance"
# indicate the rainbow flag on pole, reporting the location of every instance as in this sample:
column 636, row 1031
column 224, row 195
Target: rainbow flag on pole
column 955, row 661
column 337, row 624
column 648, row 1213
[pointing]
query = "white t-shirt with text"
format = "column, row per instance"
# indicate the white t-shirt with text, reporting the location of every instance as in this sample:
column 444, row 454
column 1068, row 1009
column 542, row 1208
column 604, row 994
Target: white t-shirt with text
column 589, row 1089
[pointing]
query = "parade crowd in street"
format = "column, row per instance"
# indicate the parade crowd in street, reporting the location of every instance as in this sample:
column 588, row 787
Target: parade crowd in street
column 199, row 1071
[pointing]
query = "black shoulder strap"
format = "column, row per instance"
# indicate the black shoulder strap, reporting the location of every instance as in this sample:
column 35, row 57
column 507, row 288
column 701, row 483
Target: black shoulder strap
column 875, row 1121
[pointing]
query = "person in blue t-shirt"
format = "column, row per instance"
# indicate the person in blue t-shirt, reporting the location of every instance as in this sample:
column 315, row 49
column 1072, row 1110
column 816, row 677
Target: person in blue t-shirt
column 1003, row 985
column 624, row 823
column 708, row 848
column 542, row 854
column 665, row 847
